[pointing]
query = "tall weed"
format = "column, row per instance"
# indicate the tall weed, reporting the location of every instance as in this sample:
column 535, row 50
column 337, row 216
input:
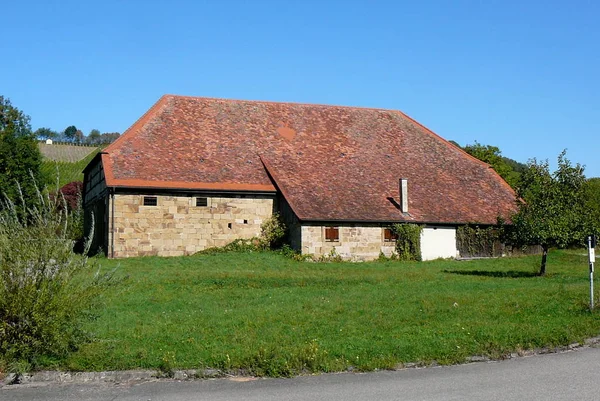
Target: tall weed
column 46, row 290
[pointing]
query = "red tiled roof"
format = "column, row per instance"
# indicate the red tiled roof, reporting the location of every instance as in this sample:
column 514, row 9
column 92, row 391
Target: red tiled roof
column 329, row 162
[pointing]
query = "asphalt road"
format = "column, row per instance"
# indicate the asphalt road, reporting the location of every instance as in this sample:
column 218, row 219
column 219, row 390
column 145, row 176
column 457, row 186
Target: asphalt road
column 573, row 375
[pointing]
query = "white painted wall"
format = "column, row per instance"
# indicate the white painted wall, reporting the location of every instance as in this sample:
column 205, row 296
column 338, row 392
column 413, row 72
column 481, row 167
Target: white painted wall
column 438, row 242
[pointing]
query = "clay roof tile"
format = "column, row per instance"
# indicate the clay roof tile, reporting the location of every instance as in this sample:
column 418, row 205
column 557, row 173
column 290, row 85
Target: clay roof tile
column 329, row 162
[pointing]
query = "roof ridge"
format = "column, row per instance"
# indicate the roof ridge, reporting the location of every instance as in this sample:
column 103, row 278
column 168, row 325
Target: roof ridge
column 280, row 102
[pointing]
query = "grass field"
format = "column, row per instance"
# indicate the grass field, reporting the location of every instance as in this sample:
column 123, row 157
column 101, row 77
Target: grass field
column 269, row 315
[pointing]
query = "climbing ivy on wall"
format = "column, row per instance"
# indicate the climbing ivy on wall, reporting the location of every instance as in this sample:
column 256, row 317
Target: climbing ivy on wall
column 408, row 244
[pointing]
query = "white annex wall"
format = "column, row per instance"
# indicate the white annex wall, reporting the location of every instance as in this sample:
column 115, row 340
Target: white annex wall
column 438, row 242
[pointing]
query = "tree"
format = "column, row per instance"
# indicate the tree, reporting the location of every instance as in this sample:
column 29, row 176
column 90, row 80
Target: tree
column 592, row 195
column 12, row 120
column 70, row 133
column 516, row 167
column 551, row 207
column 93, row 138
column 492, row 156
column 109, row 137
column 79, row 137
column 45, row 133
column 20, row 158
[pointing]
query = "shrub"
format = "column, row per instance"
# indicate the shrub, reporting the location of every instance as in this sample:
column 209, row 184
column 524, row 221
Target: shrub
column 238, row 245
column 291, row 253
column 72, row 193
column 383, row 258
column 272, row 232
column 332, row 256
column 46, row 291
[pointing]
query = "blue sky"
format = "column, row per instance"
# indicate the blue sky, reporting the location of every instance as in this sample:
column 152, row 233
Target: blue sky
column 520, row 75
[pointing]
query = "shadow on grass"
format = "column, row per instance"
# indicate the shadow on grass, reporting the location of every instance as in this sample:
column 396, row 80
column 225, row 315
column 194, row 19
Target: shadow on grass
column 501, row 274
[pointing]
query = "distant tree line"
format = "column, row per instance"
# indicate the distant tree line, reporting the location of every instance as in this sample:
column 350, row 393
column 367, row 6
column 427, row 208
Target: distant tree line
column 73, row 135
column 510, row 170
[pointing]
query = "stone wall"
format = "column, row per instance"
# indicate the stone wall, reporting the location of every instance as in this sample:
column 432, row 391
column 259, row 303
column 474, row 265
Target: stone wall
column 176, row 226
column 357, row 242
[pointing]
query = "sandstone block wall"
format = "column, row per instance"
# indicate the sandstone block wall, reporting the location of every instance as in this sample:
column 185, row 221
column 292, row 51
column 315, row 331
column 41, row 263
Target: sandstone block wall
column 176, row 226
column 356, row 242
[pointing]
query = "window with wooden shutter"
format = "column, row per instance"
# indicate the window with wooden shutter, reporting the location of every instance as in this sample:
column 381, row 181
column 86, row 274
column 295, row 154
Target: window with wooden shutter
column 389, row 235
column 332, row 234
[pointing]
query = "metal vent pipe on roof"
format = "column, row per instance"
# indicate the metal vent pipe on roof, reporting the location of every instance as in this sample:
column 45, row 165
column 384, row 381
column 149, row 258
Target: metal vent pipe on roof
column 403, row 187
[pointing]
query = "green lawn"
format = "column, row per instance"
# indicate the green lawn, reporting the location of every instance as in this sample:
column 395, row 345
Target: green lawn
column 270, row 315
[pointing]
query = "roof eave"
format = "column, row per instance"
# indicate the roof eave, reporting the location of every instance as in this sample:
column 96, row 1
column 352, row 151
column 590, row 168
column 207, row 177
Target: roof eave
column 190, row 186
column 366, row 221
column 92, row 162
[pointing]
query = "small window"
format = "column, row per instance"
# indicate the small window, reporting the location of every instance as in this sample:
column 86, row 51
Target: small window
column 389, row 235
column 201, row 202
column 150, row 201
column 229, row 225
column 332, row 234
